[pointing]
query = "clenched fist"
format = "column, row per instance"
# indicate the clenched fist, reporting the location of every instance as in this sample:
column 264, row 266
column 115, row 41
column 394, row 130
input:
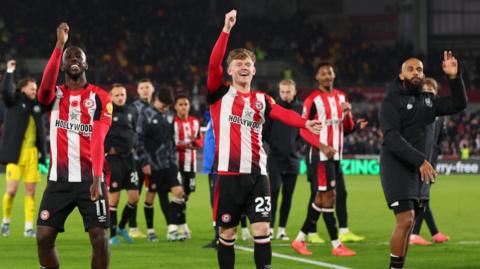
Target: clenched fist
column 62, row 34
column 230, row 19
column 11, row 65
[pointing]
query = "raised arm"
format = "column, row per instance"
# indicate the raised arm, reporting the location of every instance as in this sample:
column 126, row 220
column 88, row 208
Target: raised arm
column 8, row 85
column 458, row 100
column 46, row 91
column 215, row 69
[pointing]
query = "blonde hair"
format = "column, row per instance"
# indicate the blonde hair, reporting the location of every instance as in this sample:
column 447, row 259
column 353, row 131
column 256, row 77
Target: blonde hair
column 240, row 54
column 287, row 82
column 431, row 82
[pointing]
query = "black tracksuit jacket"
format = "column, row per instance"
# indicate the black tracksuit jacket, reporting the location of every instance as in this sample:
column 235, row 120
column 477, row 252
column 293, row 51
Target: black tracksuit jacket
column 404, row 116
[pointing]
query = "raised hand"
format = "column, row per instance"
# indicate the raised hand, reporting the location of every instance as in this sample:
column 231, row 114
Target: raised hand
column 11, row 65
column 62, row 34
column 449, row 64
column 230, row 19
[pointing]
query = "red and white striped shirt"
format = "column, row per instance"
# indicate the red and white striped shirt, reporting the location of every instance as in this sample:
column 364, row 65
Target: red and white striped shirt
column 326, row 107
column 71, row 124
column 238, row 120
column 187, row 132
column 79, row 121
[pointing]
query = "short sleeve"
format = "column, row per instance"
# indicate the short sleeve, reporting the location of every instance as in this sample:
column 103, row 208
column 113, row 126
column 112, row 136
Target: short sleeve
column 104, row 109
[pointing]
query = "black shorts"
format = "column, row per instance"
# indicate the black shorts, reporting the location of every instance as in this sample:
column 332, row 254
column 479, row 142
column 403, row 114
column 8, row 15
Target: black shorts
column 60, row 198
column 323, row 175
column 407, row 205
column 188, row 181
column 123, row 175
column 162, row 180
column 241, row 194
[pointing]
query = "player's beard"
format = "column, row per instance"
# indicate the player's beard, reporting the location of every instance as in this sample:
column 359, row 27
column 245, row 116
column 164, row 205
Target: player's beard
column 416, row 86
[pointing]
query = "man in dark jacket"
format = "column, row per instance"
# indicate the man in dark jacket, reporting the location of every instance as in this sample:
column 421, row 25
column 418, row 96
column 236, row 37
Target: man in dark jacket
column 156, row 151
column 22, row 145
column 434, row 135
column 404, row 115
column 284, row 157
column 119, row 145
column 145, row 91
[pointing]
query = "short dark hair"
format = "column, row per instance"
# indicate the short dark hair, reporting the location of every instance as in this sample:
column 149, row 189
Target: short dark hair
column 181, row 96
column 164, row 95
column 145, row 80
column 24, row 82
column 116, row 85
column 322, row 64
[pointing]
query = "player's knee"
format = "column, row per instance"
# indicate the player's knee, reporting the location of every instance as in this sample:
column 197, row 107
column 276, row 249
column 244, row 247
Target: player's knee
column 178, row 193
column 133, row 200
column 261, row 229
column 406, row 222
column 45, row 240
column 228, row 233
column 98, row 238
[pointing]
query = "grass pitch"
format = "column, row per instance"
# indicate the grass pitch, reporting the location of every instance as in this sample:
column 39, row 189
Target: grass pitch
column 454, row 204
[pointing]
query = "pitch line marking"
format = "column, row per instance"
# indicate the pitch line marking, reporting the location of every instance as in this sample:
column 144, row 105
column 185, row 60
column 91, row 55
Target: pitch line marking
column 297, row 259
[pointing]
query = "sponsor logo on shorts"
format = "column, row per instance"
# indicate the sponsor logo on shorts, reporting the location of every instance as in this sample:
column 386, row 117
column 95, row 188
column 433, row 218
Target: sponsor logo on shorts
column 102, row 218
column 153, row 186
column 394, row 204
column 114, row 184
column 265, row 214
column 44, row 215
column 333, row 183
column 226, row 218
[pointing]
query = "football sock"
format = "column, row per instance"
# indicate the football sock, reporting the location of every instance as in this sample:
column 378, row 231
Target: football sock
column 177, row 208
column 243, row 221
column 132, row 221
column 301, row 236
column 226, row 253
column 262, row 252
column 313, row 214
column 29, row 209
column 329, row 220
column 396, row 262
column 7, row 207
column 126, row 214
column 113, row 220
column 148, row 208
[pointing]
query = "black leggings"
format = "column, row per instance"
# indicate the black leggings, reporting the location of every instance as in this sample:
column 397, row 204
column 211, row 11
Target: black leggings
column 276, row 181
column 428, row 217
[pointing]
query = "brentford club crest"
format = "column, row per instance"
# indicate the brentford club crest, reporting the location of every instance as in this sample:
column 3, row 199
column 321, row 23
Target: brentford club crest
column 88, row 103
column 226, row 218
column 44, row 215
column 74, row 103
column 259, row 105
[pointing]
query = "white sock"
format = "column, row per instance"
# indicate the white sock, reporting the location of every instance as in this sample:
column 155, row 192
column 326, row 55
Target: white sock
column 134, row 229
column 312, row 234
column 272, row 232
column 184, row 227
column 150, row 231
column 300, row 236
column 28, row 225
column 245, row 230
column 343, row 231
column 6, row 220
column 335, row 243
column 172, row 227
column 281, row 230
